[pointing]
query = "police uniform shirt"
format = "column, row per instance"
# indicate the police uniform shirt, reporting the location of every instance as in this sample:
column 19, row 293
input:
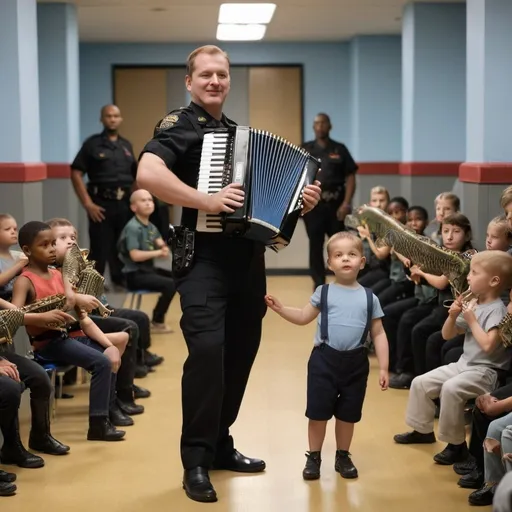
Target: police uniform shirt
column 336, row 163
column 106, row 162
column 177, row 140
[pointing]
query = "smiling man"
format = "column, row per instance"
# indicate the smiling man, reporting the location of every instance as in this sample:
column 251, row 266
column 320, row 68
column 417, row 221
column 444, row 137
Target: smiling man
column 222, row 294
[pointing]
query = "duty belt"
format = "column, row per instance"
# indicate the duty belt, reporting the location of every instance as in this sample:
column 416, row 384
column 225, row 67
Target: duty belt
column 109, row 193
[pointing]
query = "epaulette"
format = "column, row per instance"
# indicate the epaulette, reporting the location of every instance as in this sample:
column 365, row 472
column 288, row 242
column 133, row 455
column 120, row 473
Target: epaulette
column 170, row 119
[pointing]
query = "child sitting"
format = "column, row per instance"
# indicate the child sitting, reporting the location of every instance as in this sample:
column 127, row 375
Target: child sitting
column 446, row 204
column 10, row 266
column 338, row 367
column 98, row 355
column 140, row 243
column 397, row 285
column 377, row 262
column 477, row 370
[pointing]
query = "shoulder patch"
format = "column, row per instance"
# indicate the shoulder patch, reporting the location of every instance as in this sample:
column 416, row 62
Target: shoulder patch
column 168, row 121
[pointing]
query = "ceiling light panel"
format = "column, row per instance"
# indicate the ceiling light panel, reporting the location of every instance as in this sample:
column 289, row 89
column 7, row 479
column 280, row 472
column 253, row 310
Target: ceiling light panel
column 246, row 13
column 238, row 32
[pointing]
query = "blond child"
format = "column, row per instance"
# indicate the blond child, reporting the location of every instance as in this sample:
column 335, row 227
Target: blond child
column 446, row 203
column 338, row 367
column 475, row 373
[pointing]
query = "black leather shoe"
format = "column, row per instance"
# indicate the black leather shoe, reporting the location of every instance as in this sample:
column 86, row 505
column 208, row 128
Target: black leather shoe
column 344, row 465
column 101, row 429
column 139, row 392
column 473, row 480
column 415, row 437
column 240, row 463
column 130, row 408
column 7, row 477
column 7, row 489
column 451, row 454
column 483, row 497
column 311, row 470
column 118, row 418
column 197, row 485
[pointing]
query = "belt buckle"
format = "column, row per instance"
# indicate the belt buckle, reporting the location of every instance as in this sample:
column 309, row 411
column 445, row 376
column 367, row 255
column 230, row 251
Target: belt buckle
column 119, row 194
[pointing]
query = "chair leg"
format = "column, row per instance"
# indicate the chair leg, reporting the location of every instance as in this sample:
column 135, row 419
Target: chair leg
column 139, row 301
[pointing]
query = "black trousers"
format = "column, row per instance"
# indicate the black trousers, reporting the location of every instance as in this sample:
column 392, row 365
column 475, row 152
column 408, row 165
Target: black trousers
column 321, row 222
column 420, row 334
column 222, row 301
column 140, row 327
column 157, row 280
column 105, row 234
column 388, row 291
column 126, row 373
column 10, row 399
column 437, row 348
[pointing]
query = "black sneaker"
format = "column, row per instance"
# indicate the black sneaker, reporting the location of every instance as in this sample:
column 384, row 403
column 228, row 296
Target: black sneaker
column 401, row 381
column 452, row 453
column 473, row 480
column 466, row 467
column 415, row 437
column 344, row 465
column 312, row 469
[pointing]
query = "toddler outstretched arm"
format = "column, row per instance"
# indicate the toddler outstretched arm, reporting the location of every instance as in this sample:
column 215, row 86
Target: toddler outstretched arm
column 296, row 316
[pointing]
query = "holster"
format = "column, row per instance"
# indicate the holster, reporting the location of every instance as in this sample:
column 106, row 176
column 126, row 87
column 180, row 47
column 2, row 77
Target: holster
column 181, row 241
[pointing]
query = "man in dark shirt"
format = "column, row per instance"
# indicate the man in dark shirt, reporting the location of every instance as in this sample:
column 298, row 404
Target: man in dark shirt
column 107, row 160
column 222, row 295
column 338, row 186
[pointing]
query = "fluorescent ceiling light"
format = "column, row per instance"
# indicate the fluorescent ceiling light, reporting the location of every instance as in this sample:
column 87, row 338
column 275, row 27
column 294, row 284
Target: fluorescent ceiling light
column 240, row 32
column 246, row 13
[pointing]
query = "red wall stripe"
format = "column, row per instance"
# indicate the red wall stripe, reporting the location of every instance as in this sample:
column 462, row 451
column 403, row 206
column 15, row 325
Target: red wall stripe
column 490, row 173
column 14, row 172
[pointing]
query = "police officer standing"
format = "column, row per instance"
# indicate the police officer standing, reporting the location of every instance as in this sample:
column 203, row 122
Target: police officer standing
column 338, row 186
column 222, row 294
column 108, row 160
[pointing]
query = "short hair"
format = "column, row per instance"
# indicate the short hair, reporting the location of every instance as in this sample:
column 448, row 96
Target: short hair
column 379, row 189
column 209, row 49
column 506, row 197
column 346, row 235
column 325, row 116
column 502, row 223
column 423, row 211
column 498, row 263
column 401, row 201
column 5, row 216
column 449, row 196
column 59, row 222
column 29, row 232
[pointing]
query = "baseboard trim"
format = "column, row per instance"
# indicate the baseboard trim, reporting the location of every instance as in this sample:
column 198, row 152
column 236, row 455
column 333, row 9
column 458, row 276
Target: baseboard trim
column 287, row 271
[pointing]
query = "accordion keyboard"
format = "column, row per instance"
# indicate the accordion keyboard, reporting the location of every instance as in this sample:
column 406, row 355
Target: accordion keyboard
column 211, row 178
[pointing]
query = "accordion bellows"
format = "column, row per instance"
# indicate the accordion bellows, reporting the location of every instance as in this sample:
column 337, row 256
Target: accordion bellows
column 272, row 171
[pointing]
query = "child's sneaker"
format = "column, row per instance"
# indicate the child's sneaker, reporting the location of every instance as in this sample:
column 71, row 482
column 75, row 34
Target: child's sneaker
column 344, row 465
column 312, row 469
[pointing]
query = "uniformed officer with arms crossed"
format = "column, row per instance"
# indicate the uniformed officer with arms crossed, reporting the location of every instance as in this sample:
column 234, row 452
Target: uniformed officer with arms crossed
column 108, row 160
column 338, row 186
column 222, row 295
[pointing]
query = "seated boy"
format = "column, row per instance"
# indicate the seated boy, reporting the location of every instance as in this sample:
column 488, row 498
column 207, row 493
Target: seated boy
column 87, row 348
column 140, row 243
column 477, row 370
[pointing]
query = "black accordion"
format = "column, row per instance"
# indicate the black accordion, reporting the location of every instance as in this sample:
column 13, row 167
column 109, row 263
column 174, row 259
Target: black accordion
column 273, row 173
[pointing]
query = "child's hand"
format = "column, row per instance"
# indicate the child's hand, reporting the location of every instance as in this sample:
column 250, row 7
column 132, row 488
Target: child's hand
column 164, row 250
column 468, row 311
column 363, row 232
column 273, row 303
column 22, row 260
column 384, row 380
column 416, row 271
column 455, row 308
column 87, row 302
